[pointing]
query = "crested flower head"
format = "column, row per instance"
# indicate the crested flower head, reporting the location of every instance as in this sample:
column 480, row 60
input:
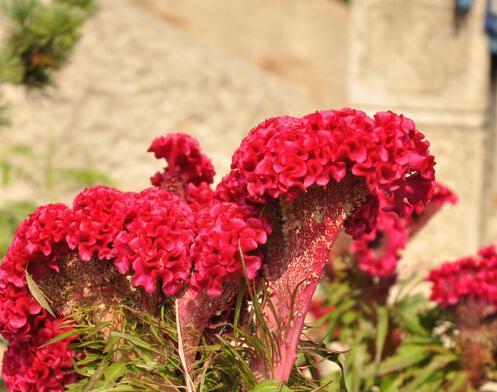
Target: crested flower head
column 156, row 242
column 31, row 366
column 468, row 278
column 228, row 242
column 185, row 160
column 147, row 234
column 38, row 240
column 285, row 156
column 377, row 252
column 99, row 214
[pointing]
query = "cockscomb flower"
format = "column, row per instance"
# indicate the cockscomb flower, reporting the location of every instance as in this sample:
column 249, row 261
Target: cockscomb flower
column 468, row 289
column 38, row 240
column 227, row 244
column 316, row 173
column 35, row 366
column 224, row 230
column 198, row 196
column 147, row 234
column 156, row 242
column 83, row 255
column 469, row 278
column 378, row 252
column 98, row 215
column 284, row 156
column 442, row 195
column 185, row 161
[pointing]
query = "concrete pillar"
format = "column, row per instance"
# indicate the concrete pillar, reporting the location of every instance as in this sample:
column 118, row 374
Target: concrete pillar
column 489, row 222
column 419, row 58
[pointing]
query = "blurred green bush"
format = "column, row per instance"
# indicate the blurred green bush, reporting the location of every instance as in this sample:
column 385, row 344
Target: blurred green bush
column 42, row 36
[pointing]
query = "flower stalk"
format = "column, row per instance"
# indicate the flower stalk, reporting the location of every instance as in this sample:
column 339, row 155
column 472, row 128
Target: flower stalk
column 296, row 257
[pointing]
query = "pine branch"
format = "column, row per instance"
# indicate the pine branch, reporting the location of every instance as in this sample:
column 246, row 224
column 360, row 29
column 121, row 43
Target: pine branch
column 41, row 38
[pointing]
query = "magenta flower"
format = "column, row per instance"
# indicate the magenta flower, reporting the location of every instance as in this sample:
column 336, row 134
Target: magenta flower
column 378, row 252
column 186, row 164
column 147, row 235
column 29, row 366
column 317, row 174
column 222, row 229
column 469, row 278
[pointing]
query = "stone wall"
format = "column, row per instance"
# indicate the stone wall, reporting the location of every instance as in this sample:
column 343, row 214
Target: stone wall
column 123, row 89
column 419, row 58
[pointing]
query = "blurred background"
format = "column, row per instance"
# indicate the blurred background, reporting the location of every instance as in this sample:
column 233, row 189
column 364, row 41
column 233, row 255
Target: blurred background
column 86, row 85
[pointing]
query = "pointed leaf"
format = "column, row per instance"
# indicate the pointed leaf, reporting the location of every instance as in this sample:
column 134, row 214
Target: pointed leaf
column 114, row 372
column 381, row 332
column 39, row 295
column 270, row 386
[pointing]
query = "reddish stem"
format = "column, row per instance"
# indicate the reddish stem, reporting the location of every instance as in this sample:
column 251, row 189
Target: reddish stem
column 195, row 311
column 305, row 230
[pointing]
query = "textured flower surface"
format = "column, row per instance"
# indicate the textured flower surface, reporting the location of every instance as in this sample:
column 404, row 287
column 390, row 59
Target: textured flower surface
column 99, row 214
column 147, row 235
column 285, row 156
column 327, row 170
column 377, row 252
column 156, row 242
column 38, row 240
column 467, row 278
column 224, row 230
column 184, row 158
column 30, row 366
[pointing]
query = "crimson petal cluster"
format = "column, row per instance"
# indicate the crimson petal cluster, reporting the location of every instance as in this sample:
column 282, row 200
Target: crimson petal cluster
column 148, row 233
column 32, row 366
column 326, row 170
column 224, row 230
column 472, row 277
column 378, row 252
column 184, row 158
column 285, row 156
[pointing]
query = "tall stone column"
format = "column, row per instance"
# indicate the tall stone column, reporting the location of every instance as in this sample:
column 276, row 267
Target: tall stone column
column 419, row 58
column 490, row 179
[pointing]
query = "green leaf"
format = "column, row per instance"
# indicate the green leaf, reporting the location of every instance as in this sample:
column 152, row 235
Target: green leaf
column 459, row 381
column 381, row 332
column 11, row 67
column 136, row 340
column 62, row 336
column 38, row 295
column 270, row 386
column 354, row 375
column 409, row 311
column 114, row 372
column 439, row 363
column 407, row 355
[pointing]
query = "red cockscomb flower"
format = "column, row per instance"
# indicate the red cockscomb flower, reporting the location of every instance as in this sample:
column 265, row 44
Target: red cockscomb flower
column 318, row 173
column 30, row 366
column 467, row 278
column 184, row 158
column 224, row 230
column 378, row 252
column 149, row 234
column 156, row 242
column 37, row 241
